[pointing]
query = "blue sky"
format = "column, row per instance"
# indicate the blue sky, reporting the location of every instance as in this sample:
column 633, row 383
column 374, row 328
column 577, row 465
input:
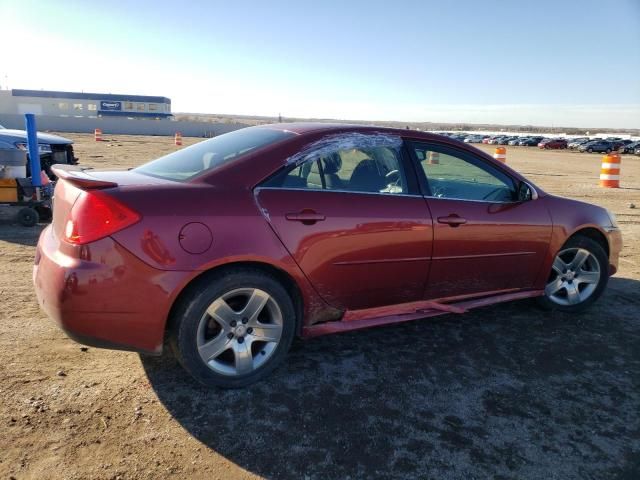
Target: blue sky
column 572, row 63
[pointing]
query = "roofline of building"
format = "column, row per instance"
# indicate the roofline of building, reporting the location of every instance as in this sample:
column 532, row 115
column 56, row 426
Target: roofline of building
column 120, row 113
column 89, row 96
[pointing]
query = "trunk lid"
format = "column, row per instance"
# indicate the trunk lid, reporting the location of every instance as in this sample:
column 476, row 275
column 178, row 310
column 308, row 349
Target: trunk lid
column 74, row 179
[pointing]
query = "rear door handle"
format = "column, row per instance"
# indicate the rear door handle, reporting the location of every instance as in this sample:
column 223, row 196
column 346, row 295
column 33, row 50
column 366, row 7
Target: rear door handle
column 452, row 220
column 306, row 217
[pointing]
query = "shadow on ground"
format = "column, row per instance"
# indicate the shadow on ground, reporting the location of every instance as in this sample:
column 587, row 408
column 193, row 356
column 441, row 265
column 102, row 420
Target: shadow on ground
column 14, row 233
column 504, row 392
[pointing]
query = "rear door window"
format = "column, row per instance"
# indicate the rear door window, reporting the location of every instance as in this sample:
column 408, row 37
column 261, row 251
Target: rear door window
column 366, row 169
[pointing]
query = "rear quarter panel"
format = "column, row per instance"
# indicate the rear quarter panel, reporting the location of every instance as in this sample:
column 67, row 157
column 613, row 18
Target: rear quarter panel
column 239, row 234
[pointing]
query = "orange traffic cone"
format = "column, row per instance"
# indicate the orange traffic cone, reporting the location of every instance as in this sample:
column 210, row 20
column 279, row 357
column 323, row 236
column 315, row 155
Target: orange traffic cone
column 97, row 135
column 434, row 158
column 177, row 139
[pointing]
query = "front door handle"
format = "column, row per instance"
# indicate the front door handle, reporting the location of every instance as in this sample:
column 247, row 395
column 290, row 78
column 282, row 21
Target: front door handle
column 308, row 217
column 452, row 220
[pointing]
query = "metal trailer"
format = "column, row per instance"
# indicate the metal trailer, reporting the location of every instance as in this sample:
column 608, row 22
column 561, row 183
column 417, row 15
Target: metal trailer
column 24, row 198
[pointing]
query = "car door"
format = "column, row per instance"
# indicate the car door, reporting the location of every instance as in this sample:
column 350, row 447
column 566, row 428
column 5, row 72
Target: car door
column 355, row 222
column 484, row 239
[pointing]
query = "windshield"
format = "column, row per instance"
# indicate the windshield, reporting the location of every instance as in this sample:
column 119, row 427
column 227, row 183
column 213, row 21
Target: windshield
column 211, row 154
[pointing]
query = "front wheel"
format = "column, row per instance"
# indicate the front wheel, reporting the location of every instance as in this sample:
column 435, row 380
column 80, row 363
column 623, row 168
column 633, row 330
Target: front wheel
column 579, row 275
column 233, row 329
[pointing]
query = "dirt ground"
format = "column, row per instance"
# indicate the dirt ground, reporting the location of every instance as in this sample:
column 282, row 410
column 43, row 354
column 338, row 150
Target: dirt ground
column 503, row 392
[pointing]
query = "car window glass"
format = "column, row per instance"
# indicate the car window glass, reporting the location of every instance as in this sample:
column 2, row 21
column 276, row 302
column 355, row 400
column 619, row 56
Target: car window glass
column 301, row 177
column 367, row 169
column 211, row 154
column 450, row 175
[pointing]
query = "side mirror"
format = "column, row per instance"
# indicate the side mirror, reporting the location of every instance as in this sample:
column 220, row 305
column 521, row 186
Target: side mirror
column 526, row 192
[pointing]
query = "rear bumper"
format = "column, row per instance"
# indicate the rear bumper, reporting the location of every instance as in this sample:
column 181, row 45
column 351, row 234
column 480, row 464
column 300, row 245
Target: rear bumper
column 102, row 295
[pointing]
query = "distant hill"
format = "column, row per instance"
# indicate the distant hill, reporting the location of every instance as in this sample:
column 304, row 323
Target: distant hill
column 465, row 127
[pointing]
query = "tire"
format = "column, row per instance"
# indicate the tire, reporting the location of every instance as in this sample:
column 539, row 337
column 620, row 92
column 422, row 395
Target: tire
column 214, row 317
column 28, row 217
column 590, row 150
column 596, row 262
column 45, row 214
column 608, row 150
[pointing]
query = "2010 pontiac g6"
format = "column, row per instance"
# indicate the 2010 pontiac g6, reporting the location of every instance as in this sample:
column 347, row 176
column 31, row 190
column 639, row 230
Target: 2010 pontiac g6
column 226, row 250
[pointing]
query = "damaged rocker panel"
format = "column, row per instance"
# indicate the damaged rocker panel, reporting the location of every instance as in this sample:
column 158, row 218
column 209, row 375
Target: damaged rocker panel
column 371, row 317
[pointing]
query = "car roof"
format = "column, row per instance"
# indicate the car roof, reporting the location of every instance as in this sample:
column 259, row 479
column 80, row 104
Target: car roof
column 305, row 128
column 316, row 127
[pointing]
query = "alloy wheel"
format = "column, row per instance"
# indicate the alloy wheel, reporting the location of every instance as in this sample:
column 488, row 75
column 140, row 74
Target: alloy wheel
column 574, row 277
column 239, row 331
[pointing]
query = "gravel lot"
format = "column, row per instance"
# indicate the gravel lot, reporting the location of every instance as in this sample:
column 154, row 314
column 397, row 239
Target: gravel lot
column 503, row 392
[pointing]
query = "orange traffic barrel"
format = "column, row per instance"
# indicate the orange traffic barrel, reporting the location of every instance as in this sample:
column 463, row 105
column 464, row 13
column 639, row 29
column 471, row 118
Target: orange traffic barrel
column 434, row 158
column 500, row 154
column 97, row 134
column 177, row 139
column 610, row 171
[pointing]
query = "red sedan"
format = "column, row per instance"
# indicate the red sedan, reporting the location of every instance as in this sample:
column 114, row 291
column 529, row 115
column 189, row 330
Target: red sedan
column 553, row 143
column 227, row 249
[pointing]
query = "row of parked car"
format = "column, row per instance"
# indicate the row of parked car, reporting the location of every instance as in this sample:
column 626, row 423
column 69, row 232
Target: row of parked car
column 582, row 144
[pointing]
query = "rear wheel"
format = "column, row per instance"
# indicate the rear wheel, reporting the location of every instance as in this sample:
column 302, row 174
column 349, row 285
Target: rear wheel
column 579, row 275
column 234, row 329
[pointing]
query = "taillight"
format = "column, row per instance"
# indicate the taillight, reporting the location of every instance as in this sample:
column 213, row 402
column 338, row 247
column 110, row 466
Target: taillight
column 96, row 215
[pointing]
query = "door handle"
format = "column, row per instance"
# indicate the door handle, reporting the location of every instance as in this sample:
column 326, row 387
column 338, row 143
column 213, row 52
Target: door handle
column 452, row 220
column 308, row 217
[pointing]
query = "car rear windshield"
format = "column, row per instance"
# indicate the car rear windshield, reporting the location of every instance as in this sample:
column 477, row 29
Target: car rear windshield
column 211, row 154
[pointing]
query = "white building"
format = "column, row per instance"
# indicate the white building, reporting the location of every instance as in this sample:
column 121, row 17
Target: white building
column 80, row 104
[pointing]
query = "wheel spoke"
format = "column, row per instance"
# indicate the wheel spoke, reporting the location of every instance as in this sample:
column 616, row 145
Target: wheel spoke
column 222, row 312
column 227, row 330
column 559, row 266
column 244, row 358
column 254, row 306
column 554, row 286
column 573, row 294
column 574, row 281
column 578, row 260
column 264, row 332
column 215, row 347
column 588, row 277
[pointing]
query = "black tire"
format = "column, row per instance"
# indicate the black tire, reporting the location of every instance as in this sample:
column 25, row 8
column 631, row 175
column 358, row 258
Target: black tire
column 590, row 150
column 28, row 217
column 608, row 150
column 597, row 251
column 193, row 305
column 45, row 214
